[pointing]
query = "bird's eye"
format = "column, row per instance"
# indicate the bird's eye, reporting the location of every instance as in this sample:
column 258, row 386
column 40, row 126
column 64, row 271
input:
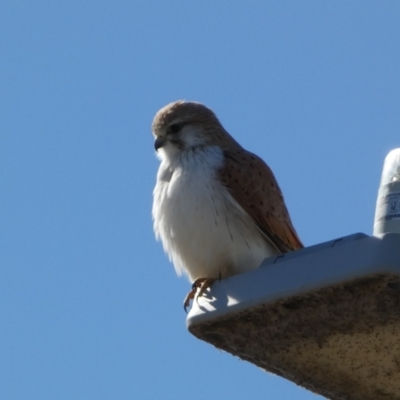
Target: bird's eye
column 174, row 128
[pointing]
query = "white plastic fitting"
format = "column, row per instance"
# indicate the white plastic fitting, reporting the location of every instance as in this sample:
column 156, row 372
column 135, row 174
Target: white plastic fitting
column 387, row 213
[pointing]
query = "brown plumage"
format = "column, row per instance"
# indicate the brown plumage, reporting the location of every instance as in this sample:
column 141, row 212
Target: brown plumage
column 253, row 185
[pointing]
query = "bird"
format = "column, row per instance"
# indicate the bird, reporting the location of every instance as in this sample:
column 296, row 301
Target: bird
column 217, row 208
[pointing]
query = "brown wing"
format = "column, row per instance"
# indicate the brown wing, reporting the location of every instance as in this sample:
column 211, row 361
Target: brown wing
column 253, row 185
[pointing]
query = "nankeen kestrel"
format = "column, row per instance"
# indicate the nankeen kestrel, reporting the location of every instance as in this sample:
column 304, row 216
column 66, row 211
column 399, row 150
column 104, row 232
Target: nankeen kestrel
column 217, row 208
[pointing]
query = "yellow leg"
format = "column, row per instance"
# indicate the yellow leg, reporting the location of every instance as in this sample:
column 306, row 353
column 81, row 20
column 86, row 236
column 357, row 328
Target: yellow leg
column 205, row 285
column 201, row 283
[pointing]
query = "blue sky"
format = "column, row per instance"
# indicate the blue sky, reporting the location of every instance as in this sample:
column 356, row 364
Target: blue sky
column 90, row 306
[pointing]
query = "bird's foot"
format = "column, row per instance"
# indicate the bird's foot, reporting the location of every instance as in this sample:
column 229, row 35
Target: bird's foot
column 189, row 298
column 207, row 282
column 202, row 284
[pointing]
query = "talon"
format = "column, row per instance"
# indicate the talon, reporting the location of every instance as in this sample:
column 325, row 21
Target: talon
column 200, row 283
column 188, row 298
column 205, row 285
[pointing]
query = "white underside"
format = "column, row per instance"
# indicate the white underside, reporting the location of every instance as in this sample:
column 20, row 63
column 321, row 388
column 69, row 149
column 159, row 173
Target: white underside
column 203, row 229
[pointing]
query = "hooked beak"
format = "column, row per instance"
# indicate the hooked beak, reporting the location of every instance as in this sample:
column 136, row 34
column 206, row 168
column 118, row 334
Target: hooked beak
column 159, row 142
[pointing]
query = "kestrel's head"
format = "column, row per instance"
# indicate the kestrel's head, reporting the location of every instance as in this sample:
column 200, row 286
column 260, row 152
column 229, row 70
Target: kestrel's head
column 183, row 125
